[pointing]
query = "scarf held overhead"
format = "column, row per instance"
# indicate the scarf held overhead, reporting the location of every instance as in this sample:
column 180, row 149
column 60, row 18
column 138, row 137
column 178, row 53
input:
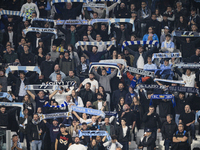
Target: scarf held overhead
column 22, row 68
column 139, row 71
column 166, row 55
column 12, row 104
column 128, row 43
column 110, row 65
column 14, row 13
column 163, row 96
column 40, row 87
column 88, row 111
column 170, row 81
column 6, row 95
column 94, row 133
column 44, row 30
column 55, row 115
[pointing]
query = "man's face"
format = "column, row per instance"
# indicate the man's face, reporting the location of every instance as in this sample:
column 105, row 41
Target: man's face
column 62, row 130
column 66, row 55
column 94, row 49
column 166, row 31
column 10, row 28
column 28, row 1
column 90, row 28
column 76, row 140
column 132, row 6
column 167, row 38
column 3, row 109
column 94, row 119
column 151, row 109
column 85, row 38
column 187, row 108
column 198, row 52
column 25, row 49
column 35, row 118
column 55, row 123
column 126, row 52
column 72, row 28
column 122, row 27
column 48, row 57
column 22, row 76
column 169, row 119
column 87, row 87
column 15, row 139
column 193, row 13
column 180, row 127
column 56, row 68
column 83, row 59
column 123, row 123
column 188, row 72
column 149, row 60
column 41, row 94
column 26, row 112
column 91, row 76
column 23, row 41
column 54, row 48
column 103, row 72
column 98, row 37
column 106, row 120
column 122, row 5
column 120, row 86
column 153, row 17
column 103, row 28
column 69, row 6
column 88, row 104
column 71, row 73
column 143, row 5
column 181, row 96
column 95, row 15
column 169, row 9
column 130, row 89
column 58, row 78
column 38, row 35
column 140, row 49
column 8, row 49
column 84, row 127
column 33, row 15
column 187, row 40
column 165, row 18
column 166, row 63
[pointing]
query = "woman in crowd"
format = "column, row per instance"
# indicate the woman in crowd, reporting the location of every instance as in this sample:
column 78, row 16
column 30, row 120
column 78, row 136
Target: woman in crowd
column 151, row 34
column 77, row 99
column 28, row 105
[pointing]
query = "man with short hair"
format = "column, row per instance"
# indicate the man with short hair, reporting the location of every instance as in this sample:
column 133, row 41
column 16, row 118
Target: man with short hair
column 54, row 53
column 9, row 56
column 15, row 144
column 53, row 75
column 72, row 77
column 27, row 58
column 180, row 139
column 83, row 69
column 100, row 104
column 87, row 94
column 196, row 57
column 35, row 131
column 46, row 66
column 94, row 84
column 168, row 129
column 167, row 46
column 113, row 144
column 77, row 145
column 188, row 119
column 29, row 8
column 149, row 65
column 108, row 127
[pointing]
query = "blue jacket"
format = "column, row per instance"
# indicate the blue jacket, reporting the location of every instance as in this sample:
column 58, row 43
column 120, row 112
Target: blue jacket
column 94, row 57
column 54, row 130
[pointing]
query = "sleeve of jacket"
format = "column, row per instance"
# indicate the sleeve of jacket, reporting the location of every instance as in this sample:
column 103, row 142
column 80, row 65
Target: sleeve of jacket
column 29, row 132
column 129, row 135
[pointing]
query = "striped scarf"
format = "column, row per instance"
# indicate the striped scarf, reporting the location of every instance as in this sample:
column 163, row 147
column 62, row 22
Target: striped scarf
column 14, row 13
column 45, row 30
column 79, row 43
column 128, row 43
column 166, row 55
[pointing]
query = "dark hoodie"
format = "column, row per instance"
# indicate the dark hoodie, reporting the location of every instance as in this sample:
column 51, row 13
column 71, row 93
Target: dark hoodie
column 54, row 130
column 168, row 129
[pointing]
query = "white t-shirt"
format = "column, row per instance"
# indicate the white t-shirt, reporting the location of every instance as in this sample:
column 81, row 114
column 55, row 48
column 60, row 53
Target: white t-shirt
column 113, row 146
column 99, row 105
column 77, row 147
column 140, row 62
column 94, row 84
column 124, row 131
column 86, row 121
column 190, row 80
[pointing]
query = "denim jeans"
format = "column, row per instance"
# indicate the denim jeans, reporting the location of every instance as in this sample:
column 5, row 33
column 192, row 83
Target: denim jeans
column 177, row 119
column 21, row 137
column 167, row 144
column 36, row 144
column 125, row 145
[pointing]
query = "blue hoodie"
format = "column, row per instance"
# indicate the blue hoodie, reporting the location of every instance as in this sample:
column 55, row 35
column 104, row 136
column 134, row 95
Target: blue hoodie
column 54, row 130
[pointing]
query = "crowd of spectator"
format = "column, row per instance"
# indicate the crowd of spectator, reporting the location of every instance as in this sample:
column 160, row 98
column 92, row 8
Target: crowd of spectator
column 128, row 107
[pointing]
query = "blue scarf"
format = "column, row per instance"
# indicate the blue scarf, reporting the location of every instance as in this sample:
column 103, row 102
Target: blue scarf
column 163, row 96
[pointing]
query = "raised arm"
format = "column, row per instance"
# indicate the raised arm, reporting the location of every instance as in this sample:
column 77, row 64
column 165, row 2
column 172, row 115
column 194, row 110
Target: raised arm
column 31, row 94
column 52, row 94
column 131, row 51
column 77, row 116
column 110, row 76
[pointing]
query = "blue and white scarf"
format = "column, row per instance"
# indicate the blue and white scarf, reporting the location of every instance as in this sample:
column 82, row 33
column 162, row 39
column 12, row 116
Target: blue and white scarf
column 88, row 111
column 163, row 96
column 139, row 71
column 55, row 115
column 121, row 20
column 186, row 34
column 43, row 19
column 83, row 1
column 94, row 133
column 12, row 104
column 110, row 65
column 14, row 13
column 59, row 106
column 6, row 95
column 95, row 5
column 160, row 71
column 188, row 65
column 166, row 55
column 170, row 81
column 79, row 43
column 117, row 61
column 22, row 68
column 72, row 22
column 40, row 87
column 45, row 30
column 128, row 43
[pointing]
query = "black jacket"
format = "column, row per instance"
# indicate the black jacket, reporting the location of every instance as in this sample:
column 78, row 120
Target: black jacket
column 87, row 96
column 148, row 143
column 116, row 95
column 80, row 73
column 4, row 116
column 119, row 133
column 17, row 81
column 47, row 67
column 25, row 58
column 33, row 130
column 168, row 130
column 112, row 129
column 152, row 120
